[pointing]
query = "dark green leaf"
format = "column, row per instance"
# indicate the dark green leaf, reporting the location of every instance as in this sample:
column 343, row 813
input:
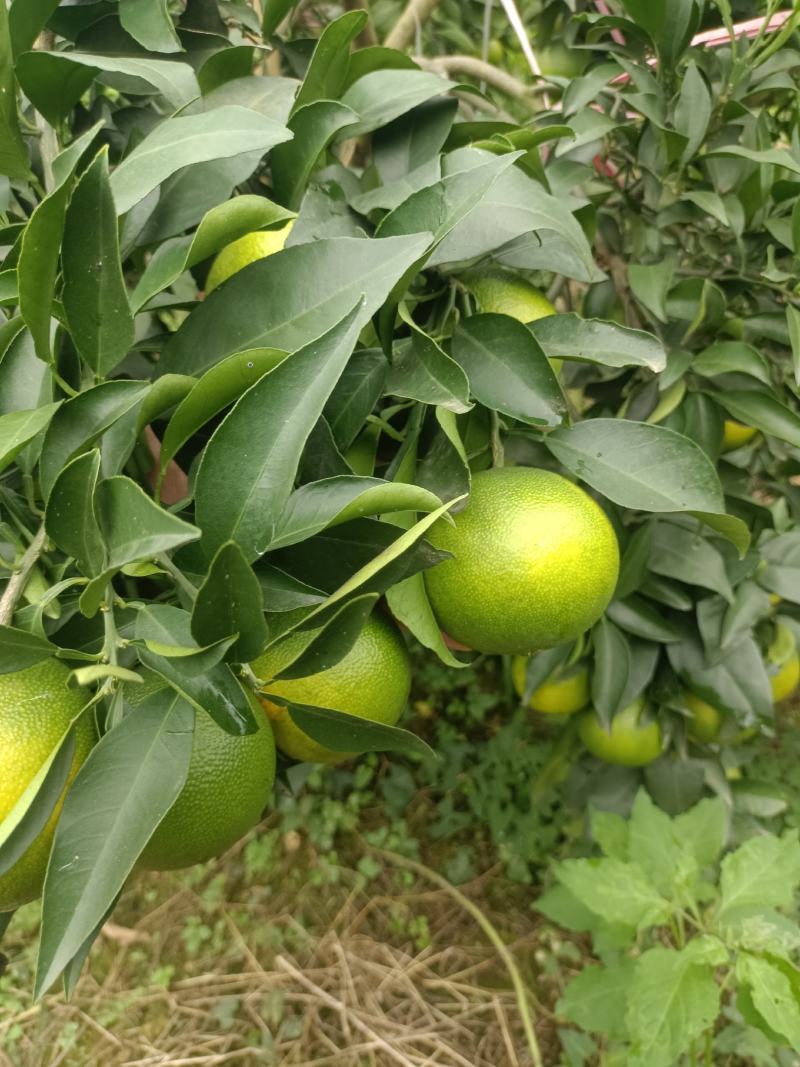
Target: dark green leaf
column 41, row 242
column 70, row 517
column 637, row 617
column 221, row 225
column 612, row 662
column 649, row 468
column 327, row 71
column 95, row 297
column 313, row 127
column 677, row 552
column 133, row 526
column 593, row 341
column 317, row 505
column 55, row 81
column 81, row 420
column 507, row 369
column 762, row 411
column 290, row 298
column 349, row 733
column 736, row 683
column 211, row 689
column 422, row 370
column 190, row 139
column 148, row 21
column 124, row 789
column 383, row 95
column 20, row 649
column 269, row 424
column 230, row 602
column 731, row 357
column 331, row 642
column 13, row 156
column 355, row 395
column 26, row 20
column 19, row 427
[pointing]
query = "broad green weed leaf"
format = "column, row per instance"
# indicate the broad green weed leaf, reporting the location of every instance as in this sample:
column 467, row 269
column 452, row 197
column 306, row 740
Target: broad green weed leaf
column 615, row 891
column 764, row 870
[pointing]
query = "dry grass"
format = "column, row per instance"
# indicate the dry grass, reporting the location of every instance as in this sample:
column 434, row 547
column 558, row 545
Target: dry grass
column 225, row 969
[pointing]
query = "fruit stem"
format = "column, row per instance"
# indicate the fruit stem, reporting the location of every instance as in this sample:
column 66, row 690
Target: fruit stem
column 19, row 578
column 492, row 934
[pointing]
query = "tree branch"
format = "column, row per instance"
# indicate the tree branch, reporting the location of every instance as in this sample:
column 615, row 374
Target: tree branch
column 19, row 578
column 404, row 30
column 476, row 68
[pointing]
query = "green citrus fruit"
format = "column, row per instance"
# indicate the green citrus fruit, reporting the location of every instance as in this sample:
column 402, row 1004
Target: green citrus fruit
column 246, row 250
column 372, row 681
column 535, row 563
column 226, row 791
column 631, row 742
column 783, row 663
column 556, row 58
column 503, row 293
column 736, row 434
column 564, row 692
column 706, row 720
column 35, row 710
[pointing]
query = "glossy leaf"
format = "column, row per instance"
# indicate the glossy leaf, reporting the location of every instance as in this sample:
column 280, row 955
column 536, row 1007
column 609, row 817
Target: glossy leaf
column 507, row 369
column 593, row 341
column 13, row 156
column 81, row 420
column 270, row 424
column 221, row 225
column 762, row 411
column 383, row 95
column 199, row 678
column 677, row 552
column 230, row 602
column 422, row 370
column 55, row 81
column 190, row 139
column 126, row 786
column 313, row 127
column 649, row 468
column 19, row 427
column 327, row 70
column 330, row 642
column 20, row 649
column 95, row 298
column 317, row 505
column 70, row 517
column 290, row 298
column 737, row 683
column 133, row 526
column 41, row 242
column 218, row 388
column 355, row 395
column 612, row 664
column 349, row 733
column 148, row 21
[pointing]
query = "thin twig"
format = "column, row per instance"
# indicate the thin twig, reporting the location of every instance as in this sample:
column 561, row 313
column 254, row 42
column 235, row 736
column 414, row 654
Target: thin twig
column 404, row 30
column 476, row 68
column 19, row 578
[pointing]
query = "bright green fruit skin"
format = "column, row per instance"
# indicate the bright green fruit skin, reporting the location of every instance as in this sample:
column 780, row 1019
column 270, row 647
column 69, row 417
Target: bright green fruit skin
column 535, row 563
column 372, row 681
column 503, row 293
column 246, row 250
column 630, row 743
column 35, row 710
column 228, row 786
column 562, row 693
column 706, row 720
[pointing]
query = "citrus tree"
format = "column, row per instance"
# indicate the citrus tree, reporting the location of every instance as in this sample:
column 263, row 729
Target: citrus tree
column 280, row 392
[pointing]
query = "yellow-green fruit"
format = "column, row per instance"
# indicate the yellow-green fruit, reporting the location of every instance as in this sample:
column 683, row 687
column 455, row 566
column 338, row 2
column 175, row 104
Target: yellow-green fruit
column 785, row 679
column 706, row 720
column 631, row 742
column 564, row 692
column 226, row 790
column 35, row 710
column 736, row 434
column 535, row 563
column 503, row 293
column 556, row 58
column 783, row 664
column 246, row 250
column 372, row 681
